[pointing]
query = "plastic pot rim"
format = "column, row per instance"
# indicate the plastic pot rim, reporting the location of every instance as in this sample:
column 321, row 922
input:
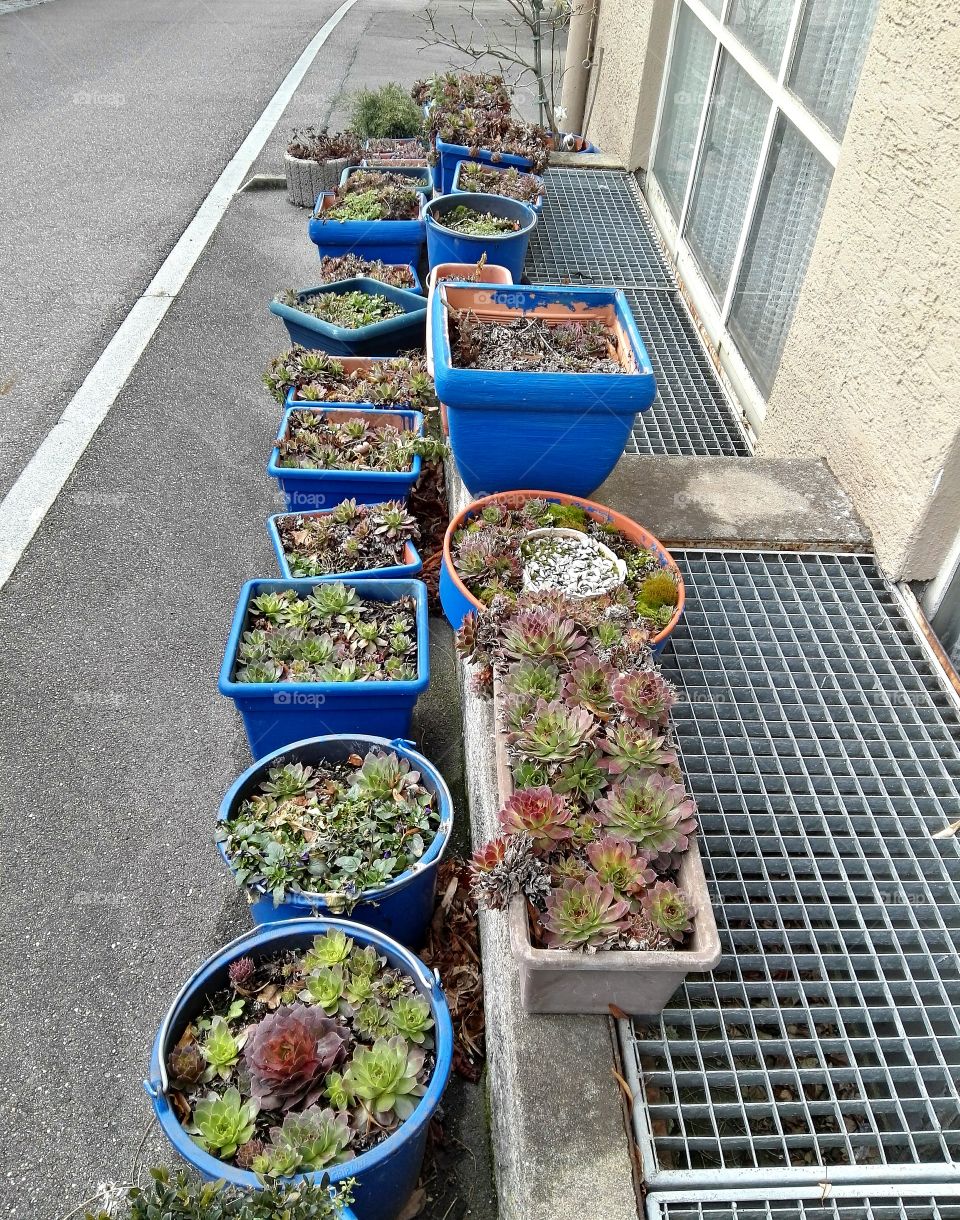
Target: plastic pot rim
column 400, row 587
column 405, row 477
column 620, row 520
column 415, row 564
column 413, row 304
column 457, row 189
column 400, row 745
column 484, row 203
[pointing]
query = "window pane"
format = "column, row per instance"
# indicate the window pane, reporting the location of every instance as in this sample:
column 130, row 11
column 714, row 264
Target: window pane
column 715, row 6
column 761, row 25
column 782, row 233
column 725, row 172
column 831, row 46
column 685, row 90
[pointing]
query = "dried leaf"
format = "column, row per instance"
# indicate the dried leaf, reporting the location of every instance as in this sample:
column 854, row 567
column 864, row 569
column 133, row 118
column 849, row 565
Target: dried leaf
column 415, row 1204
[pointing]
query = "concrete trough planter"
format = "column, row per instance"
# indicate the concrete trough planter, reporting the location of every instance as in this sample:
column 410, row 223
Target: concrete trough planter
column 308, row 179
column 637, row 982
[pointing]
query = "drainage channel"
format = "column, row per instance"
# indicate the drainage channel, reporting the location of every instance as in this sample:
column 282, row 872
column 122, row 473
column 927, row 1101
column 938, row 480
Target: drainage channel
column 595, row 229
column 824, row 754
column 892, row 1203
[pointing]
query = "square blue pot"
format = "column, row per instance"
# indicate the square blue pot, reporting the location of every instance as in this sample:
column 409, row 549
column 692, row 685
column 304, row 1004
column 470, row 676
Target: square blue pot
column 457, row 189
column 558, row 431
column 392, row 241
column 275, row 714
column 386, row 338
column 311, row 490
column 412, row 563
column 449, row 154
column 503, row 250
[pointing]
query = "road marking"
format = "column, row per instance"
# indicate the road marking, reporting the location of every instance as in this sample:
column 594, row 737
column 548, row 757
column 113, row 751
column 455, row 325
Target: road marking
column 40, row 482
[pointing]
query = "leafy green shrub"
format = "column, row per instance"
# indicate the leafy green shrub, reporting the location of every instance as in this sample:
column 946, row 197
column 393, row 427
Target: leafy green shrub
column 385, row 113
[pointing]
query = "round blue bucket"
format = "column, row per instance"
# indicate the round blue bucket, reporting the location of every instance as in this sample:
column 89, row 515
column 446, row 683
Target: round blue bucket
column 386, row 1175
column 506, row 249
column 401, row 909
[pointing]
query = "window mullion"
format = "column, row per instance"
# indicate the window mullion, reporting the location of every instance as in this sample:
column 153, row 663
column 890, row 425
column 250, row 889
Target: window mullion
column 789, row 43
column 698, row 143
column 668, row 59
column 765, row 144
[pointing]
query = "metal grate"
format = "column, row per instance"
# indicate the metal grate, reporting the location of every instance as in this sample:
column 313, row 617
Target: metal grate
column 691, row 414
column 920, row 1204
column 824, row 755
column 595, row 229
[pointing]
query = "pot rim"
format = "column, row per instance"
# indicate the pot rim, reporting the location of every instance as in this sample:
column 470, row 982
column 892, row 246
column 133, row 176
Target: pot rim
column 530, row 221
column 625, row 524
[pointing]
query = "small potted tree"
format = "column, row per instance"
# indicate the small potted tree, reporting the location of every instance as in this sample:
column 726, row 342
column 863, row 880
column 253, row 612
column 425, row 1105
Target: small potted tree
column 365, row 541
column 343, row 453
column 261, row 1072
column 308, row 658
column 314, row 162
column 352, row 826
column 542, row 385
column 357, row 317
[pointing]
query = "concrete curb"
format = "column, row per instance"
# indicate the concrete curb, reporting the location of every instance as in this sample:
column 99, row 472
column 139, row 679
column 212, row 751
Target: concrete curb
column 560, row 1141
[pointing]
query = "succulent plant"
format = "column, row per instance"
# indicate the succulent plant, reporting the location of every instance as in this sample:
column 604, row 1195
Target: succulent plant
column 289, row 1052
column 554, row 733
column 221, row 1049
column 668, row 909
column 535, row 634
column 584, row 914
column 541, row 814
column 588, row 683
column 306, row 1142
column 517, row 871
column 186, row 1065
column 583, row 778
column 644, row 695
column 383, row 1078
column 652, row 812
column 410, row 1016
column 630, row 748
column 221, row 1123
column 616, row 863
column 325, row 987
column 532, row 679
column 328, row 950
column 489, row 856
column 242, row 972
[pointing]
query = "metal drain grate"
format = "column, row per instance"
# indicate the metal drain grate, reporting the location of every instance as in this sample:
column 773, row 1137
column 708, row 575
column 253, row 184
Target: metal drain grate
column 824, row 755
column 897, row 1204
column 595, row 229
column 691, row 414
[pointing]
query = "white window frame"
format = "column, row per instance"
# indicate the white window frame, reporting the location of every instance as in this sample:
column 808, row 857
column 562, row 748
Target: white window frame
column 715, row 317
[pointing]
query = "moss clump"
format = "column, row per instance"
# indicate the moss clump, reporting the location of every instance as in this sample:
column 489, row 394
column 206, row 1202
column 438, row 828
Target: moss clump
column 659, row 589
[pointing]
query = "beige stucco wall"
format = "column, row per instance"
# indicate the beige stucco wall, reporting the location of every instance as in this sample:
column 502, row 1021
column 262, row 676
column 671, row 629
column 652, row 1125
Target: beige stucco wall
column 625, row 85
column 870, row 374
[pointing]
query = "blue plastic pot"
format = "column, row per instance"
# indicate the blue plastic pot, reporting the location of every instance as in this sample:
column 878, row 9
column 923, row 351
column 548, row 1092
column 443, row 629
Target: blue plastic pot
column 309, row 490
column 449, row 154
column 421, row 176
column 386, row 1175
column 276, row 714
column 392, row 241
column 386, row 338
column 411, row 566
column 562, row 431
column 403, row 908
column 457, row 189
column 506, row 250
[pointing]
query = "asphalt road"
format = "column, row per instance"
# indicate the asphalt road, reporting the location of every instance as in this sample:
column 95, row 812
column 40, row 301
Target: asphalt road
column 115, row 746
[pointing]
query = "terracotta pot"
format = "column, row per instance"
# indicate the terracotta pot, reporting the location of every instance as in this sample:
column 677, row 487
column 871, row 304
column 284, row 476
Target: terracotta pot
column 489, row 273
column 457, row 599
column 640, row 982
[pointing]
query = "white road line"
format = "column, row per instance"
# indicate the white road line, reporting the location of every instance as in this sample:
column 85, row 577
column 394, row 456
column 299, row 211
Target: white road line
column 31, row 497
